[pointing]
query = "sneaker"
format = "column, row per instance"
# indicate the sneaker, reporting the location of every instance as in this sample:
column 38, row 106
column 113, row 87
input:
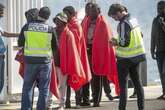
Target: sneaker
column 109, row 97
column 161, row 97
column 133, row 96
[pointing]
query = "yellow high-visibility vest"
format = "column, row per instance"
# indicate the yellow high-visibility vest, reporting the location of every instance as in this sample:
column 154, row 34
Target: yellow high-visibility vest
column 135, row 47
column 38, row 44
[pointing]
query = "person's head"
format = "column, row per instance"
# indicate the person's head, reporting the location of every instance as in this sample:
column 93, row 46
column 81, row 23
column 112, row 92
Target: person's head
column 117, row 11
column 60, row 19
column 70, row 12
column 94, row 11
column 44, row 13
column 31, row 14
column 161, row 8
column 87, row 8
column 1, row 10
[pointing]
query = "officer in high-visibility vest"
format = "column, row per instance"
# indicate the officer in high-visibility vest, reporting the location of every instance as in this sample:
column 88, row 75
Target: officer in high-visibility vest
column 39, row 42
column 130, row 52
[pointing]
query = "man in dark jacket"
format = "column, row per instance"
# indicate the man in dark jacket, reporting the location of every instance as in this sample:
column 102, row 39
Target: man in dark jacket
column 130, row 52
column 39, row 42
column 158, row 43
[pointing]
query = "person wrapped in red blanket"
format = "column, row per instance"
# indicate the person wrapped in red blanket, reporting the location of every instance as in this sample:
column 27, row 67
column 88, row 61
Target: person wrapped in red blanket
column 77, row 31
column 71, row 71
column 100, row 52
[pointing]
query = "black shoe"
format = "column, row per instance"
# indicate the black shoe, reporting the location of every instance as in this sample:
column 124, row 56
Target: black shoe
column 109, row 97
column 67, row 105
column 91, row 100
column 96, row 105
column 116, row 97
column 85, row 104
column 133, row 96
column 161, row 97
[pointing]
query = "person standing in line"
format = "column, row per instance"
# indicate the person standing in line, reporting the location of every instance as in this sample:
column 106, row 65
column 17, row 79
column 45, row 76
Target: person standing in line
column 100, row 53
column 3, row 48
column 77, row 31
column 85, row 93
column 130, row 52
column 61, row 24
column 158, row 43
column 68, row 65
column 39, row 42
column 85, row 89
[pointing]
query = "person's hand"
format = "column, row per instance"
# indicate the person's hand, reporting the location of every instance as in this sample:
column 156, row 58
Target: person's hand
column 114, row 42
column 153, row 55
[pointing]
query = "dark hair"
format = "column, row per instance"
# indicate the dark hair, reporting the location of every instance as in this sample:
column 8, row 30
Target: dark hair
column 88, row 4
column 70, row 10
column 2, row 6
column 161, row 4
column 114, row 8
column 44, row 12
column 31, row 14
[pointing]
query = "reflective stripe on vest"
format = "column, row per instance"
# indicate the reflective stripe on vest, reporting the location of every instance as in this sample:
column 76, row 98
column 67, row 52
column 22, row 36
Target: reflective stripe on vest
column 136, row 46
column 38, row 44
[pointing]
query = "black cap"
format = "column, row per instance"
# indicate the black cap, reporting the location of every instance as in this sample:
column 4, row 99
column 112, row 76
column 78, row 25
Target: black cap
column 44, row 13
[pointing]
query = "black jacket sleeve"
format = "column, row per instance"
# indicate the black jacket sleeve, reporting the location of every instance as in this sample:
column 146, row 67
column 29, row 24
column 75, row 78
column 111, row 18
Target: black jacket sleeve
column 54, row 41
column 153, row 36
column 55, row 48
column 21, row 38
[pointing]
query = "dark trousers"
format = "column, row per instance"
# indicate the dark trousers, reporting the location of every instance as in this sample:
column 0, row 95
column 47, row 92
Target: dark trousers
column 85, row 93
column 96, row 86
column 77, row 96
column 106, row 85
column 161, row 68
column 85, row 89
column 125, row 68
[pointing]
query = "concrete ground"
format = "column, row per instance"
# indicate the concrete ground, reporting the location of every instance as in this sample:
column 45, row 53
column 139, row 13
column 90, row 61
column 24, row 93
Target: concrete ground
column 151, row 103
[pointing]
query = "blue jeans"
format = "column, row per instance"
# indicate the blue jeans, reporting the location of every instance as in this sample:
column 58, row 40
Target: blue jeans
column 41, row 72
column 2, row 65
